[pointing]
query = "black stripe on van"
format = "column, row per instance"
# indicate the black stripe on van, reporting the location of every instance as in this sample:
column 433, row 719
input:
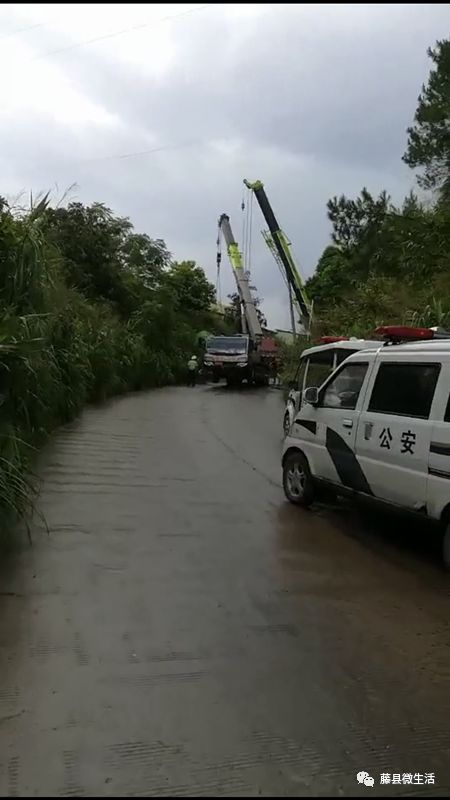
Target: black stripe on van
column 346, row 464
column 439, row 473
column 440, row 448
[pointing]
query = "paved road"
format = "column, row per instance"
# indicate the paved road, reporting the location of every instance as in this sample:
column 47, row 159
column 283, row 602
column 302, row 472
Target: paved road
column 184, row 631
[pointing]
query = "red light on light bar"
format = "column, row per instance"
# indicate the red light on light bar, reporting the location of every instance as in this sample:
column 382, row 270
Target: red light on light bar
column 332, row 339
column 404, row 332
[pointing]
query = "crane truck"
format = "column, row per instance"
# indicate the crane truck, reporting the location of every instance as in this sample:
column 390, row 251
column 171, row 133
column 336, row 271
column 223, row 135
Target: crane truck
column 249, row 355
column 279, row 246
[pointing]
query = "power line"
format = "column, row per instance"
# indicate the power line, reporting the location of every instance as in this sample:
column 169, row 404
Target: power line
column 120, row 33
column 137, row 153
column 22, row 30
column 152, row 150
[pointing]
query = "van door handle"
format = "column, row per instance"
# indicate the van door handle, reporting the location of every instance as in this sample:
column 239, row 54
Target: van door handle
column 347, row 423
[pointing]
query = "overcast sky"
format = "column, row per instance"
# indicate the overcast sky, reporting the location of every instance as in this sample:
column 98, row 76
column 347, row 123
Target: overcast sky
column 313, row 100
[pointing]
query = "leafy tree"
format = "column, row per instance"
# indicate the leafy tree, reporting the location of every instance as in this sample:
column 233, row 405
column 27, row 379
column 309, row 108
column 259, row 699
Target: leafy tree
column 233, row 312
column 145, row 258
column 392, row 264
column 189, row 287
column 331, row 277
column 261, row 316
column 429, row 138
column 90, row 240
column 354, row 221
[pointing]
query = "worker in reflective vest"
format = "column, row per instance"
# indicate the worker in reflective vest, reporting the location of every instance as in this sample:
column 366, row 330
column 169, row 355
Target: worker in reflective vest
column 192, row 371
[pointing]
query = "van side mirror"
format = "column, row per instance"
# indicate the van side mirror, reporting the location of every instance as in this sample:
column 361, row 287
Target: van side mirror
column 311, row 396
column 292, row 385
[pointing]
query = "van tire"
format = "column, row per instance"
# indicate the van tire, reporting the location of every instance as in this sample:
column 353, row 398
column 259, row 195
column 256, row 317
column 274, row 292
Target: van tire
column 298, row 483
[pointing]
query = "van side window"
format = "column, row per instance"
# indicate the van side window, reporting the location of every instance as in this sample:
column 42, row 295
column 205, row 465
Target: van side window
column 447, row 411
column 406, row 390
column 343, row 390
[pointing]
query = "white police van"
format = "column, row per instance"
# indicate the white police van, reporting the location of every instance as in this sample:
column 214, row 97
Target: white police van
column 315, row 365
column 379, row 427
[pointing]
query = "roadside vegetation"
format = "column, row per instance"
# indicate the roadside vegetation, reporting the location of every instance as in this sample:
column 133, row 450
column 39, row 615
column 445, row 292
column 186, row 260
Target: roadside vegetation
column 389, row 264
column 89, row 309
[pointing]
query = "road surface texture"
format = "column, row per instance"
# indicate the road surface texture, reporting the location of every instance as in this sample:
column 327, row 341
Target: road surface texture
column 183, row 630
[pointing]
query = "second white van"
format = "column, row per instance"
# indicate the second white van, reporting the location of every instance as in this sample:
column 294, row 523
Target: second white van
column 378, row 427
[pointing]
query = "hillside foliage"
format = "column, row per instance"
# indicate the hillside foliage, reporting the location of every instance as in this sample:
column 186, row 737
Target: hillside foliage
column 387, row 263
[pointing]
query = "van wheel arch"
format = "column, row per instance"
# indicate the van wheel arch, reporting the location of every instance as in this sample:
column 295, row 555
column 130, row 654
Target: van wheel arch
column 445, row 516
column 445, row 528
column 290, row 452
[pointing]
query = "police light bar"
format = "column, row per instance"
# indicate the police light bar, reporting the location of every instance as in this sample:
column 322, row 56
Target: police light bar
column 332, row 339
column 404, row 332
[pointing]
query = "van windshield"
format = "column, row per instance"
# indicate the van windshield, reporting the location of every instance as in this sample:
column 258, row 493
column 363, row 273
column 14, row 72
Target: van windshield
column 320, row 365
column 341, row 355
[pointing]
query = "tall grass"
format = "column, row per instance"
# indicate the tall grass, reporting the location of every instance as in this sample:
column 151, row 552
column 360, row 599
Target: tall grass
column 59, row 351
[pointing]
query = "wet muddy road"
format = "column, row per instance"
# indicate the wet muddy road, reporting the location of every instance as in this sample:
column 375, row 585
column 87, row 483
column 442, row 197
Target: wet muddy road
column 184, row 631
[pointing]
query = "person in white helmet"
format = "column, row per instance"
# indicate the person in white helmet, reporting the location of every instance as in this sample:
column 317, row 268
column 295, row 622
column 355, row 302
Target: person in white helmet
column 192, row 371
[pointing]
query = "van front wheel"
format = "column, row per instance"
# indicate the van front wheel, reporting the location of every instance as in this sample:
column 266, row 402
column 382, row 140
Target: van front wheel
column 298, row 484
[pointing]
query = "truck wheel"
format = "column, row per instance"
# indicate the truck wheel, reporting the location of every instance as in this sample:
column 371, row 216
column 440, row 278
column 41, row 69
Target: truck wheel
column 286, row 423
column 298, row 484
column 446, row 545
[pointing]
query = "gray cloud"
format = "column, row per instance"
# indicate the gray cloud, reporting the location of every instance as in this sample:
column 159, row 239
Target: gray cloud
column 313, row 100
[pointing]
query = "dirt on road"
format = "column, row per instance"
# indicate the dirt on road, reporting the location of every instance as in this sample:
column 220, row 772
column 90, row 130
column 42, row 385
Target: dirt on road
column 183, row 630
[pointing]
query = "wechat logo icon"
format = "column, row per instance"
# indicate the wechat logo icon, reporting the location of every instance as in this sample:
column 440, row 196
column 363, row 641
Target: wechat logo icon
column 364, row 777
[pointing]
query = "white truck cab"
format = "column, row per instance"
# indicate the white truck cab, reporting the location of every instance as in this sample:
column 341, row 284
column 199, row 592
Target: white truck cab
column 315, row 365
column 378, row 427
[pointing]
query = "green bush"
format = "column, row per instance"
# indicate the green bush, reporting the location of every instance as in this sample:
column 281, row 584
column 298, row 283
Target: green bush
column 89, row 309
